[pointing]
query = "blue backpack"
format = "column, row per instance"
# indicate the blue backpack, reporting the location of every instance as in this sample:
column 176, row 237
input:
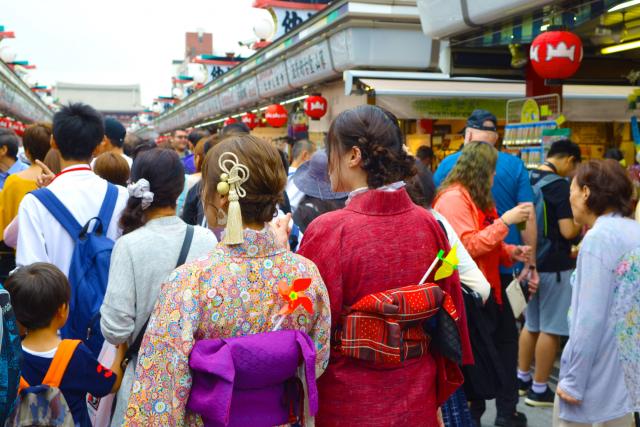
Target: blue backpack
column 544, row 243
column 89, row 270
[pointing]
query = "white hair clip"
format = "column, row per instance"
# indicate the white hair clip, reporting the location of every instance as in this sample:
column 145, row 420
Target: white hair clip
column 141, row 190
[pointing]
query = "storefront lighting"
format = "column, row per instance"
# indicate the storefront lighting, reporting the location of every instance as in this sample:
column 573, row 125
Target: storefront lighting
column 624, row 5
column 620, row 47
column 292, row 100
column 544, row 27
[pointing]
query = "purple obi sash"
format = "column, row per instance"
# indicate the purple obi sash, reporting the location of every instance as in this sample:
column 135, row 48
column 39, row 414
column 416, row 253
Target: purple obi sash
column 251, row 380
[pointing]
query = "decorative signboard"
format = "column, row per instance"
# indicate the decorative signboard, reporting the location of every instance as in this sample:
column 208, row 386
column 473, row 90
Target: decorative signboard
column 310, row 65
column 273, row 80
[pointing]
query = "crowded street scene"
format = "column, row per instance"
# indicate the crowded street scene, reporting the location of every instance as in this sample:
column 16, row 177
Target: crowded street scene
column 331, row 213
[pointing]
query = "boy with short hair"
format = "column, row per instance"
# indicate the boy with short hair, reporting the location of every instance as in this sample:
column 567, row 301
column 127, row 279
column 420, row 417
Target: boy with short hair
column 78, row 129
column 40, row 295
column 546, row 315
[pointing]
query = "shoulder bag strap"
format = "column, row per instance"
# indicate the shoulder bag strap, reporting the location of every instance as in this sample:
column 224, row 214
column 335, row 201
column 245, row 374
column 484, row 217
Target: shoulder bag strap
column 134, row 348
column 59, row 211
column 60, row 361
column 108, row 206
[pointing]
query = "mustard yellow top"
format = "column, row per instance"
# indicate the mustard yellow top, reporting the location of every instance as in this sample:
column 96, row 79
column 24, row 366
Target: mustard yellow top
column 15, row 188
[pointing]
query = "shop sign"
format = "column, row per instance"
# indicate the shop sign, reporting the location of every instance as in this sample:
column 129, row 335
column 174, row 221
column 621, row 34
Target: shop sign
column 458, row 108
column 273, row 81
column 310, row 65
column 247, row 91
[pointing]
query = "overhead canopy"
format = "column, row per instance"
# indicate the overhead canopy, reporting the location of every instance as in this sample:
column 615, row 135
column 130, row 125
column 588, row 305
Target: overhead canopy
column 455, row 99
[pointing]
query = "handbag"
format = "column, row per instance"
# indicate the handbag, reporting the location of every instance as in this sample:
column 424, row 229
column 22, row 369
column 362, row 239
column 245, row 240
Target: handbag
column 482, row 379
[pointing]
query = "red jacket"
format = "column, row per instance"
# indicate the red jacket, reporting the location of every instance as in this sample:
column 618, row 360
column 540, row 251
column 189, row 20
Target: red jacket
column 380, row 241
column 484, row 240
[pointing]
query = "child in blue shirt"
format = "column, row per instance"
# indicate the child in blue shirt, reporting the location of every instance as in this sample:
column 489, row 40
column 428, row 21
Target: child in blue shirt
column 40, row 294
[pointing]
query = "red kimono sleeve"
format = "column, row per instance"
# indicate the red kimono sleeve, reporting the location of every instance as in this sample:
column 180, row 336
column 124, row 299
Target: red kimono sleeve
column 322, row 245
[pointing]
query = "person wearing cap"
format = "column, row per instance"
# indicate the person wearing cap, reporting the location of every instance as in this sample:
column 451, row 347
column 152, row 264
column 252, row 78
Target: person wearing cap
column 113, row 141
column 312, row 179
column 511, row 187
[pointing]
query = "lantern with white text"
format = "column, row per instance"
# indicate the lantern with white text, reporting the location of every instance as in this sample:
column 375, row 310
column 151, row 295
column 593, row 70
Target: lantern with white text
column 230, row 121
column 276, row 115
column 315, row 106
column 251, row 120
column 556, row 55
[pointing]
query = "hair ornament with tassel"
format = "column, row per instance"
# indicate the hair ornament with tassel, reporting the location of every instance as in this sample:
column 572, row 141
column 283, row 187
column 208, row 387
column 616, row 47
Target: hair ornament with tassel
column 235, row 174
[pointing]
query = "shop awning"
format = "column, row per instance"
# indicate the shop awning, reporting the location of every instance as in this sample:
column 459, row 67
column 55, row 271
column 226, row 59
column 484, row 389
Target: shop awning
column 455, row 99
column 444, row 88
column 485, row 89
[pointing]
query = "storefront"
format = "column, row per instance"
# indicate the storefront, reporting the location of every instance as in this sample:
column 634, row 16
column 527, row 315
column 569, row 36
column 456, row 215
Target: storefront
column 18, row 103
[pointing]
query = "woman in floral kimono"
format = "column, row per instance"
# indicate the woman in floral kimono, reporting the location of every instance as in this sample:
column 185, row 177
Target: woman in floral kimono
column 233, row 291
column 379, row 242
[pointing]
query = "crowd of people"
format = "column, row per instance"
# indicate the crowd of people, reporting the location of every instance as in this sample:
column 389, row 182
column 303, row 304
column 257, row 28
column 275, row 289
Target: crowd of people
column 217, row 280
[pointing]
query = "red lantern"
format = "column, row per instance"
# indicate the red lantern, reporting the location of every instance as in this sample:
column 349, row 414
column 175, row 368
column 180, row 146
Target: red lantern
column 276, row 115
column 251, row 120
column 315, row 106
column 5, row 122
column 556, row 55
column 230, row 121
column 18, row 127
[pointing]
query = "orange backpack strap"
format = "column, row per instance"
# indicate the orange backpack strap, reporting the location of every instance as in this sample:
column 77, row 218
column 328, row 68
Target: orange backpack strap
column 60, row 362
column 23, row 384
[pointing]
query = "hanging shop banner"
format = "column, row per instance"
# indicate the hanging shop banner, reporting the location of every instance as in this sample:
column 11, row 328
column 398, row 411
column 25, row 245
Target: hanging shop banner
column 247, row 91
column 310, row 65
column 410, row 107
column 458, row 108
column 273, row 81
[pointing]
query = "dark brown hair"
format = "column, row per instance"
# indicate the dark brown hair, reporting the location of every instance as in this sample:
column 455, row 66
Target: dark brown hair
column 267, row 177
column 37, row 140
column 112, row 167
column 52, row 160
column 37, row 292
column 202, row 148
column 164, row 170
column 609, row 185
column 379, row 139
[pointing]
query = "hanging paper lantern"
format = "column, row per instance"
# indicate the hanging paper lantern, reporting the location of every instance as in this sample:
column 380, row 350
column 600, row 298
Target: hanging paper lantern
column 315, row 106
column 276, row 115
column 5, row 122
column 556, row 55
column 251, row 120
column 18, row 127
column 230, row 121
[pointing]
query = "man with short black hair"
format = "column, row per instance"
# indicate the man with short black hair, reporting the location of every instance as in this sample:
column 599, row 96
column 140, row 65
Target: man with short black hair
column 78, row 129
column 425, row 155
column 9, row 162
column 180, row 142
column 546, row 316
column 113, row 141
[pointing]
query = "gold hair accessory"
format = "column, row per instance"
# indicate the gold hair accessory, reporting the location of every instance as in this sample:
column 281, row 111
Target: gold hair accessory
column 234, row 175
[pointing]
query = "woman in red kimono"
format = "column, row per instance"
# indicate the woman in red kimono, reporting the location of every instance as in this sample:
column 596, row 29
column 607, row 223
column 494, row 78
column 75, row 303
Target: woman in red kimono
column 379, row 241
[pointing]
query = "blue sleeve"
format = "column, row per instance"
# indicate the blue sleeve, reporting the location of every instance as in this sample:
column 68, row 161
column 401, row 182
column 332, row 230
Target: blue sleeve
column 593, row 297
column 443, row 170
column 525, row 192
column 87, row 374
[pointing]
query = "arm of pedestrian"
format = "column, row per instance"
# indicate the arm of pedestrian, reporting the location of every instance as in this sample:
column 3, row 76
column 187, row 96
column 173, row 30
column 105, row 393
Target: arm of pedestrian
column 568, row 228
column 282, row 228
column 45, row 177
column 567, row 397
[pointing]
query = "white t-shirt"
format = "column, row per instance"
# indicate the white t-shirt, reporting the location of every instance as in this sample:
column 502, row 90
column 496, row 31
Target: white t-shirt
column 469, row 272
column 41, row 237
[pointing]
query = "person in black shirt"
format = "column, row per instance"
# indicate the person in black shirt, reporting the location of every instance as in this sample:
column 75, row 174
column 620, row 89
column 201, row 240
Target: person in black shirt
column 546, row 315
